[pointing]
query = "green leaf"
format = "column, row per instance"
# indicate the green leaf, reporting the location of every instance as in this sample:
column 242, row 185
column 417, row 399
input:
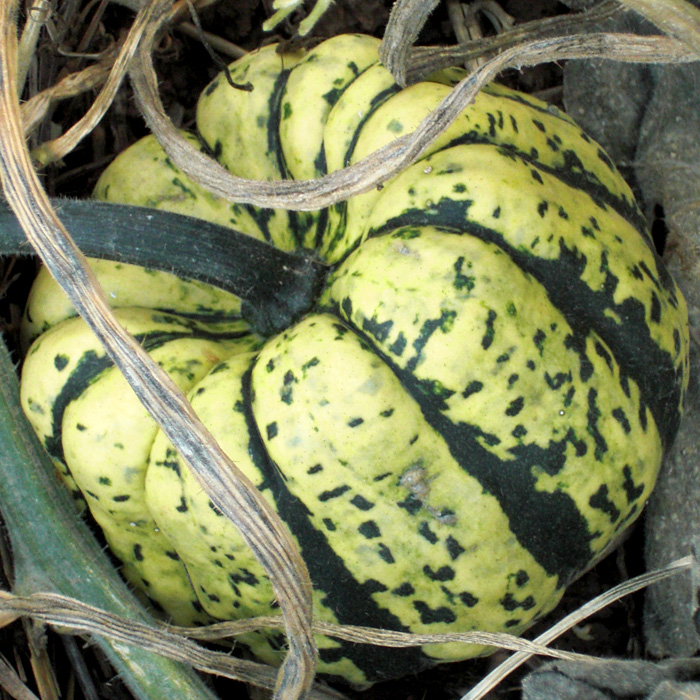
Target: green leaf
column 54, row 551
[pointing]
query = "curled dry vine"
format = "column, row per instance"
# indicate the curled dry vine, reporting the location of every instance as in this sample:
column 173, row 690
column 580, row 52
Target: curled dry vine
column 242, row 503
column 173, row 642
column 677, row 18
column 232, row 493
column 36, row 108
column 420, row 61
column 78, row 617
column 575, row 618
column 378, row 167
column 53, row 151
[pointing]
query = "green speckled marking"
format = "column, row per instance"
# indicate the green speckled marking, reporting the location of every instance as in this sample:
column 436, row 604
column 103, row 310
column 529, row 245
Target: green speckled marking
column 395, row 126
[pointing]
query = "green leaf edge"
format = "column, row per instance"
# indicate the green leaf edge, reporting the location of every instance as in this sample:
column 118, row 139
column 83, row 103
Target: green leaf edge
column 58, row 553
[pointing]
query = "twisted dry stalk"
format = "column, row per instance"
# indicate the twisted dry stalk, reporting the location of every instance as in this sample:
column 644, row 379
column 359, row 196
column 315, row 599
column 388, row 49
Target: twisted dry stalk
column 53, row 151
column 172, row 642
column 421, row 61
column 72, row 615
column 231, row 492
column 381, row 165
column 677, row 18
column 35, row 109
column 575, row 618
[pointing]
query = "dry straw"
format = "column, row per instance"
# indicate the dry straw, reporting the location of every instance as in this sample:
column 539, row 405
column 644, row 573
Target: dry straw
column 552, row 40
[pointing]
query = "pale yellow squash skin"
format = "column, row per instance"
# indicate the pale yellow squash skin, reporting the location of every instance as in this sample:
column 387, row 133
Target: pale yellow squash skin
column 424, row 262
column 300, row 445
column 309, row 96
column 497, row 191
column 352, row 108
column 374, row 444
column 497, row 115
column 236, row 133
column 107, row 435
column 126, row 286
column 147, row 177
column 244, row 151
column 448, row 441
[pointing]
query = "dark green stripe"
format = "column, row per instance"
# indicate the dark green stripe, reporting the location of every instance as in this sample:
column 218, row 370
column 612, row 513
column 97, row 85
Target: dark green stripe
column 261, row 217
column 274, row 145
column 377, row 101
column 209, row 317
column 573, row 173
column 299, row 221
column 321, row 226
column 548, row 525
column 637, row 355
column 521, row 99
column 350, row 600
column 91, row 365
column 578, row 180
column 342, row 207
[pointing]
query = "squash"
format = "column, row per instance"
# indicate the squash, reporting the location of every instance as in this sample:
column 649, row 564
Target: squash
column 472, row 408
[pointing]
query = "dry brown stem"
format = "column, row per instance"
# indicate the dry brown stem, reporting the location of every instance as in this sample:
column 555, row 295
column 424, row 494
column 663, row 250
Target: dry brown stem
column 12, row 684
column 216, row 42
column 77, row 617
column 377, row 637
column 231, row 492
column 72, row 615
column 677, row 18
column 424, row 60
column 38, row 106
column 591, row 607
column 52, row 151
column 28, row 41
column 405, row 22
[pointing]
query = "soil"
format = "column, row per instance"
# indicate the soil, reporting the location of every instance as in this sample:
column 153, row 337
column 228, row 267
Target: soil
column 184, row 68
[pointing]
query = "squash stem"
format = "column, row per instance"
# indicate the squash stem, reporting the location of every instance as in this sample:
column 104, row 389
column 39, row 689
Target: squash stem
column 277, row 287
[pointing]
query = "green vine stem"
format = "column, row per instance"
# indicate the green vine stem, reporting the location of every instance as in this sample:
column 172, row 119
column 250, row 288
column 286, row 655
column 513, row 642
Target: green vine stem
column 53, row 550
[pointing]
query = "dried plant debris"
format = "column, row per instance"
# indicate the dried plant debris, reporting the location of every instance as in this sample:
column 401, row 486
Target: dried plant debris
column 580, row 4
column 673, row 520
column 608, row 680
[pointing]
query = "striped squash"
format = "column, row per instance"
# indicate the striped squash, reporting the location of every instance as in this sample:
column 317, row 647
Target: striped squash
column 474, row 409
